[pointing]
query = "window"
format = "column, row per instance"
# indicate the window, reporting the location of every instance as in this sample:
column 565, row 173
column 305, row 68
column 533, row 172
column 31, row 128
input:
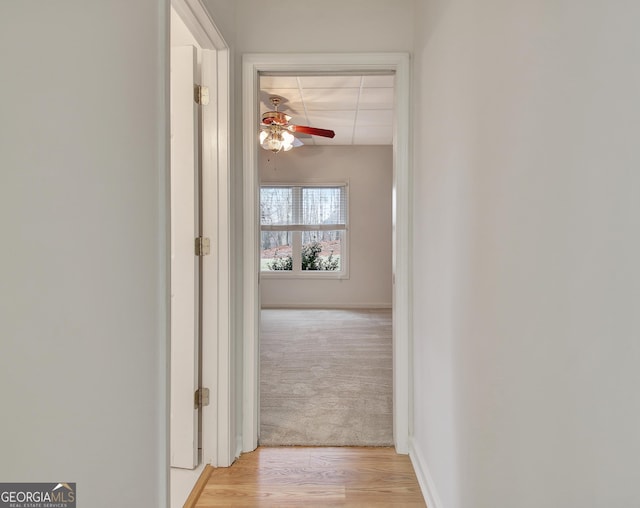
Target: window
column 303, row 230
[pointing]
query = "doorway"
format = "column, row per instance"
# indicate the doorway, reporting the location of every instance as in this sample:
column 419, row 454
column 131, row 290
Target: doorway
column 192, row 28
column 253, row 66
column 325, row 261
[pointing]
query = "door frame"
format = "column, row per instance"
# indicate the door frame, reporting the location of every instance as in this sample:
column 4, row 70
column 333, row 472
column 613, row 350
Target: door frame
column 218, row 436
column 252, row 66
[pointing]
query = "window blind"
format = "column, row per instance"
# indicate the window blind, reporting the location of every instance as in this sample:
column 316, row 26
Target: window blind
column 303, row 208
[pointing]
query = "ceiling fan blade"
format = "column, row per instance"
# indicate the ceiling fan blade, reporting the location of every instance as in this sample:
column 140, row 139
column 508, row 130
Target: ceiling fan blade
column 325, row 133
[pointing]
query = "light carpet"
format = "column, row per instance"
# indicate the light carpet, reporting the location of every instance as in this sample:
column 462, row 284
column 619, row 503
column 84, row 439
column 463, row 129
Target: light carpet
column 326, row 377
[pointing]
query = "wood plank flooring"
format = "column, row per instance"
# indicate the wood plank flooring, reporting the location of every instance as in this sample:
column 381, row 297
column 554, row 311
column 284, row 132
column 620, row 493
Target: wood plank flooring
column 302, row 476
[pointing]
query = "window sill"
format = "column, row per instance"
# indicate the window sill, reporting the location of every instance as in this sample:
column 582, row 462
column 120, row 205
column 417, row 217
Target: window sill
column 319, row 275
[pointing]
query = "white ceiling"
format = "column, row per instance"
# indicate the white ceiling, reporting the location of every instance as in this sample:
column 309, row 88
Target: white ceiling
column 358, row 108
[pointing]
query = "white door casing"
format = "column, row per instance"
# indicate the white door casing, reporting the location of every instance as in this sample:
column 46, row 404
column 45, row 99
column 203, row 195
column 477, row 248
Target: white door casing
column 253, row 65
column 218, row 447
column 218, row 432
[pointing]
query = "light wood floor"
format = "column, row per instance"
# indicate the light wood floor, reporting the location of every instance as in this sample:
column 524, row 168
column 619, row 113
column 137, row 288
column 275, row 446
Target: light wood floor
column 308, row 477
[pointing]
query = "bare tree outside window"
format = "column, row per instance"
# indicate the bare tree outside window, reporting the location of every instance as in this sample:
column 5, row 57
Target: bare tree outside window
column 303, row 228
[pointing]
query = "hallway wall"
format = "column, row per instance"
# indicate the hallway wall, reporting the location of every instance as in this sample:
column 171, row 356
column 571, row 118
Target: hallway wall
column 322, row 27
column 526, row 206
column 83, row 278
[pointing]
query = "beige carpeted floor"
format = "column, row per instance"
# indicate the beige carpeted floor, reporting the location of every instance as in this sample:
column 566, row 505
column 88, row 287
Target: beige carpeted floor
column 326, row 377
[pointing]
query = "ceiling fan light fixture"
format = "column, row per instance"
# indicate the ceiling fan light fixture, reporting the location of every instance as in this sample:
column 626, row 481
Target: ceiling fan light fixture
column 276, row 133
column 271, row 140
column 276, row 139
column 287, row 141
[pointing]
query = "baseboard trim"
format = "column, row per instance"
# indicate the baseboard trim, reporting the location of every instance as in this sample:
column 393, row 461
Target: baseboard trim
column 326, row 306
column 425, row 480
column 193, row 498
column 238, row 447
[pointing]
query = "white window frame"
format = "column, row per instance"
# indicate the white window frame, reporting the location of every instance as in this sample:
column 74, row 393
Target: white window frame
column 297, row 272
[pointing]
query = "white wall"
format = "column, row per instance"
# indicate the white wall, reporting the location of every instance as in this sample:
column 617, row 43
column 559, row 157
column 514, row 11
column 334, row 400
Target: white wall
column 83, row 256
column 526, row 224
column 369, row 171
column 331, row 25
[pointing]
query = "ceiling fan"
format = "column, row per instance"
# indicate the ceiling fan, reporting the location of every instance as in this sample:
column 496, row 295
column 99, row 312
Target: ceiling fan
column 276, row 131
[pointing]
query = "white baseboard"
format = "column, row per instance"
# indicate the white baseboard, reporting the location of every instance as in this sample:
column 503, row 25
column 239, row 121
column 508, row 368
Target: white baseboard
column 238, row 447
column 424, row 478
column 326, row 306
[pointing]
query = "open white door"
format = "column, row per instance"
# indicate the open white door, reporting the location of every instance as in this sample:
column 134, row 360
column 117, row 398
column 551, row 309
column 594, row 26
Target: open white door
column 185, row 287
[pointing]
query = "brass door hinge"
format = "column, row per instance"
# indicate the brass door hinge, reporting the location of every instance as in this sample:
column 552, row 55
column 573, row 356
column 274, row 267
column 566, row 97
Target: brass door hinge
column 201, row 94
column 201, row 397
column 203, row 246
